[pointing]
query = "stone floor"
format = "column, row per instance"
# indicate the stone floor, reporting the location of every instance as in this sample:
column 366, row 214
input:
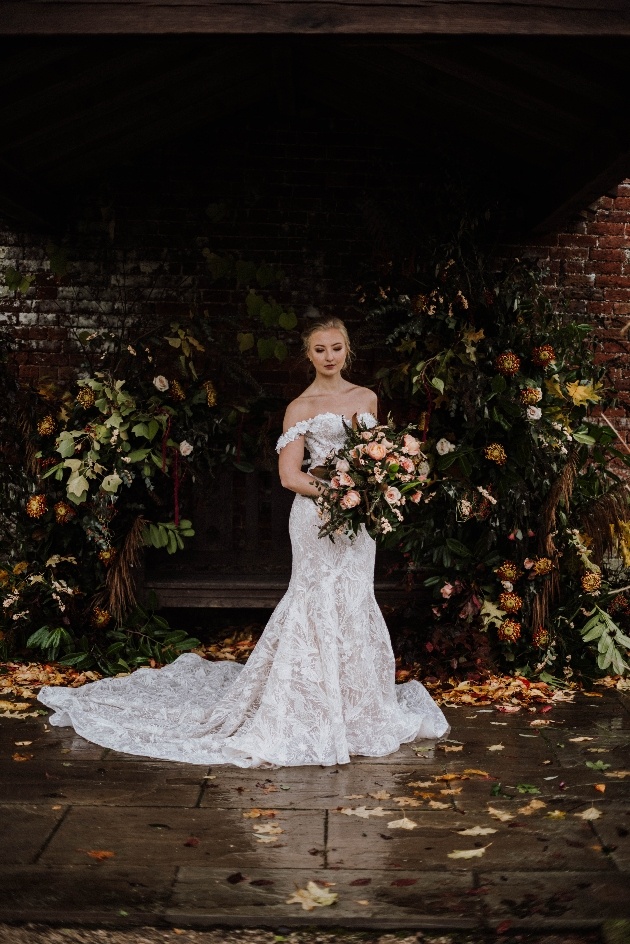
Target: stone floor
column 93, row 838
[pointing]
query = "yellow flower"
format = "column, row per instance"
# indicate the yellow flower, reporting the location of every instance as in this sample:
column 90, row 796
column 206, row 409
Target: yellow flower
column 591, row 582
column 20, row 567
column 496, row 453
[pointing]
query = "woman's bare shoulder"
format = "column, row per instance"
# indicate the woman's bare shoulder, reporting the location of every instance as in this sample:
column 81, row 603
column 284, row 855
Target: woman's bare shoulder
column 297, row 410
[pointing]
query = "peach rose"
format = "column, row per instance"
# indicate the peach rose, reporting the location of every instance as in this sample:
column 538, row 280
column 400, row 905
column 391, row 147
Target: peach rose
column 376, row 451
column 367, row 435
column 351, row 499
column 335, row 482
column 392, row 495
column 342, row 465
column 411, row 445
column 406, row 464
column 345, row 479
column 415, row 497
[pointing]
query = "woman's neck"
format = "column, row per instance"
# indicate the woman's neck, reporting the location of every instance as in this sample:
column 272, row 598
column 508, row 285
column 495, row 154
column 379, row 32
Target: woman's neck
column 329, row 387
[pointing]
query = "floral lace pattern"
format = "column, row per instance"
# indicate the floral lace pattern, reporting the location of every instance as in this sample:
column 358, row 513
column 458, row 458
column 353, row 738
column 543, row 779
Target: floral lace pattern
column 318, row 688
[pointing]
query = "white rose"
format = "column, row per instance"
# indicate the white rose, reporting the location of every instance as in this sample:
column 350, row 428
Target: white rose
column 423, row 470
column 443, row 446
column 185, row 448
column 161, row 383
column 534, row 412
column 342, row 465
column 392, row 495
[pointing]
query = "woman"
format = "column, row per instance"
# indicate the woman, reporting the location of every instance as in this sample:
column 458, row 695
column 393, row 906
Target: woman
column 319, row 686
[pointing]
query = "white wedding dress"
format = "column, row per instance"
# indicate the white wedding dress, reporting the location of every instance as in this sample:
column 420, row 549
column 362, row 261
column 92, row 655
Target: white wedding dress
column 318, row 688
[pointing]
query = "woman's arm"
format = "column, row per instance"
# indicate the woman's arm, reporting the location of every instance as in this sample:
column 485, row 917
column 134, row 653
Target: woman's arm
column 291, row 475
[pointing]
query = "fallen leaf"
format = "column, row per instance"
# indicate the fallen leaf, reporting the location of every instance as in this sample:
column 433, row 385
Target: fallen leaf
column 556, row 814
column 452, row 791
column 312, row 897
column 450, row 748
column 270, row 829
column 407, row 801
column 254, row 813
column 381, row 795
column 598, row 750
column 99, row 854
column 355, row 796
column 15, row 705
column 591, row 813
column 428, row 783
column 477, row 831
column 264, row 839
column 361, row 901
column 468, row 853
column 496, row 747
column 499, row 814
column 20, row 757
column 403, row 823
column 578, row 740
column 22, row 743
column 192, row 841
column 235, row 878
column 360, row 881
column 362, row 811
column 600, row 787
column 531, row 807
column 618, row 773
column 476, row 773
column 436, row 805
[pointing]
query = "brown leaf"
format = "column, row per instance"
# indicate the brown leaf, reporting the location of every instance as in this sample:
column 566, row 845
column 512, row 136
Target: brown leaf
column 360, row 881
column 99, row 854
column 235, row 878
column 254, row 813
column 21, row 757
column 192, row 841
column 262, row 881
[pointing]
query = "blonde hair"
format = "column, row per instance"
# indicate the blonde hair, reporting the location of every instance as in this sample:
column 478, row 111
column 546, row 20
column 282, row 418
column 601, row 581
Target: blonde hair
column 325, row 324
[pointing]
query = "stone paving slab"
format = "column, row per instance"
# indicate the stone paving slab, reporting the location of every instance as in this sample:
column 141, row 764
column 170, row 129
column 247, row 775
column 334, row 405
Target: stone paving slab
column 417, row 900
column 25, row 831
column 217, row 837
column 98, row 893
column 51, row 779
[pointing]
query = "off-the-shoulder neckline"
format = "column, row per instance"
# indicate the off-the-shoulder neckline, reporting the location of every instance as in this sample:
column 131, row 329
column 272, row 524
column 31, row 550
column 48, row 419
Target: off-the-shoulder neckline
column 331, row 413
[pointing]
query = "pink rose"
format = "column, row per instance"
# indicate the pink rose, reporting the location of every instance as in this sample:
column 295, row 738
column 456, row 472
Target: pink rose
column 335, row 482
column 406, row 464
column 366, row 435
column 350, row 500
column 342, row 465
column 376, row 451
column 411, row 445
column 416, row 497
column 528, row 563
column 447, row 590
column 392, row 495
column 345, row 479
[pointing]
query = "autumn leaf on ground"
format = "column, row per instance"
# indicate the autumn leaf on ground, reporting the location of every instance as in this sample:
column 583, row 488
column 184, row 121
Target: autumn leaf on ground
column 15, row 705
column 591, row 813
column 380, row 795
column 265, row 839
column 442, row 778
column 471, row 772
column 254, row 813
column 598, row 750
column 22, row 743
column 269, row 828
column 618, row 773
column 499, row 814
column 361, row 881
column 403, row 823
column 361, row 901
column 556, row 814
column 496, row 747
column 468, row 853
column 600, row 787
column 427, row 783
column 452, row 791
column 436, row 805
column 477, row 831
column 192, row 841
column 21, row 757
column 450, row 748
column 99, row 854
column 407, row 801
column 362, row 811
column 531, row 807
column 312, row 897
column 578, row 740
column 355, row 796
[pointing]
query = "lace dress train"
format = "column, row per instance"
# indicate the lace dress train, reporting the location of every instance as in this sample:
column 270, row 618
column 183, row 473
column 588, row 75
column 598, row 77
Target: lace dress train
column 318, row 688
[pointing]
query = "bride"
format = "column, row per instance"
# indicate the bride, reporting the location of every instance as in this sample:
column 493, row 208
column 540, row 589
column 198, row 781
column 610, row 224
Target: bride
column 319, row 686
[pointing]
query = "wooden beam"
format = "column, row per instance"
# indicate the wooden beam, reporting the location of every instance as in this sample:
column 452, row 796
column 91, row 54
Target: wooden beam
column 491, row 17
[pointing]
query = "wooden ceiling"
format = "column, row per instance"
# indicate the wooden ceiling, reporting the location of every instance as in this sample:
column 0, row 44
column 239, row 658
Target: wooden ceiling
column 490, row 17
column 551, row 114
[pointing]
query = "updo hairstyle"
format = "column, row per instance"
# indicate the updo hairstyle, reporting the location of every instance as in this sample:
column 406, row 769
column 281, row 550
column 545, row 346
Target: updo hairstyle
column 324, row 324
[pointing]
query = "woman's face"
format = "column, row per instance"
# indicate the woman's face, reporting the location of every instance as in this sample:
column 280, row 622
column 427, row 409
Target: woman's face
column 327, row 350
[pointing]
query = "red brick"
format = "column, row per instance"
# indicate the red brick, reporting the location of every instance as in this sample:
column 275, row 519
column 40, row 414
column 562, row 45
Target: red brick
column 576, row 239
column 564, row 252
column 622, row 203
column 608, row 255
column 606, row 228
column 614, row 242
column 604, row 268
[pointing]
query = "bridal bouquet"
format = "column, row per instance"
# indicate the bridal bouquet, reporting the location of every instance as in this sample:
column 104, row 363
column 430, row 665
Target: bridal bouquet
column 371, row 479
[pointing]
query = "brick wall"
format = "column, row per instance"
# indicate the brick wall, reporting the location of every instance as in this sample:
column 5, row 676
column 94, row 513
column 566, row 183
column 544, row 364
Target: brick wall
column 291, row 197
column 589, row 266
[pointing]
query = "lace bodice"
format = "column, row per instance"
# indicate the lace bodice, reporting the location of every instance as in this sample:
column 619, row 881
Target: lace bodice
column 323, row 434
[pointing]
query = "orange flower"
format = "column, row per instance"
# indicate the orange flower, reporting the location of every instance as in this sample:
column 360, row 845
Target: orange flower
column 508, row 363
column 508, row 571
column 510, row 602
column 509, row 630
column 591, row 582
column 543, row 355
column 36, row 506
column 495, row 453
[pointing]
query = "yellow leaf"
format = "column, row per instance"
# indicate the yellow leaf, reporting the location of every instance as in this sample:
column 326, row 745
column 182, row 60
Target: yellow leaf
column 270, row 828
column 556, row 814
column 553, row 387
column 255, row 813
column 589, row 814
column 472, row 772
column 436, row 805
column 450, row 748
column 380, row 795
column 499, row 814
column 468, row 853
column 477, row 831
column 407, row 801
column 312, row 897
column 618, row 773
column 363, row 812
column 496, row 747
column 531, row 807
column 403, row 823
column 584, row 393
